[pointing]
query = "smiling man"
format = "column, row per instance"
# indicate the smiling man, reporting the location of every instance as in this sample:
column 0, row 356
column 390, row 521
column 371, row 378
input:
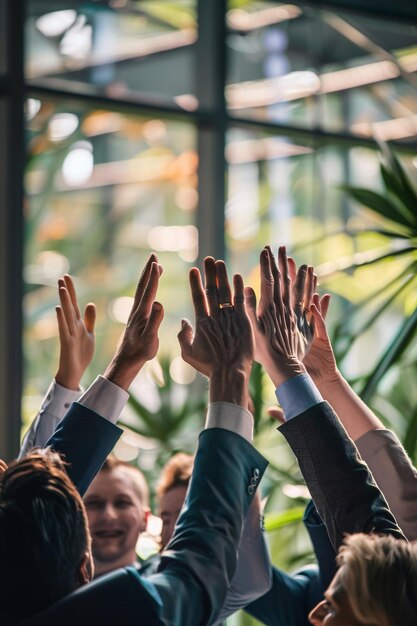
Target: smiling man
column 117, row 504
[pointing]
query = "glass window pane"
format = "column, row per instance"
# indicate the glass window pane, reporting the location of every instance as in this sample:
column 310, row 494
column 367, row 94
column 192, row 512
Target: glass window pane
column 317, row 69
column 104, row 189
column 287, row 191
column 120, row 49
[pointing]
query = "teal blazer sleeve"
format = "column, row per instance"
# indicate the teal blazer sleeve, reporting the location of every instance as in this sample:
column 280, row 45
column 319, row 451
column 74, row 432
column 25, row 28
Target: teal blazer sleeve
column 196, row 569
column 84, row 439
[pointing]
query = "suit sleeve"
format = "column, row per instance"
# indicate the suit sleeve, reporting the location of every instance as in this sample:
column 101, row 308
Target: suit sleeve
column 55, row 404
column 253, row 576
column 340, row 483
column 84, row 439
column 394, row 474
column 200, row 560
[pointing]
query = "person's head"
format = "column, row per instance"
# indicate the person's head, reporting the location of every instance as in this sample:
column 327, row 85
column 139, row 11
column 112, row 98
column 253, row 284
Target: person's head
column 171, row 491
column 117, row 504
column 375, row 585
column 44, row 539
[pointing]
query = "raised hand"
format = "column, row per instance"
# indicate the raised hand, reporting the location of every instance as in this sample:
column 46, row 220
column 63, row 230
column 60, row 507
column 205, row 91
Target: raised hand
column 320, row 361
column 76, row 335
column 139, row 342
column 222, row 345
column 274, row 323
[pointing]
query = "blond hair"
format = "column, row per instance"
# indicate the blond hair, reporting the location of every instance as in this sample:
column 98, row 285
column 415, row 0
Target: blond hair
column 137, row 478
column 379, row 576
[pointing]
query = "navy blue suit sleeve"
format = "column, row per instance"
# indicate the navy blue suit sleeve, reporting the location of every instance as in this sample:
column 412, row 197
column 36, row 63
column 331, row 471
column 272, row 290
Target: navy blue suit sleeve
column 290, row 598
column 84, row 439
column 323, row 549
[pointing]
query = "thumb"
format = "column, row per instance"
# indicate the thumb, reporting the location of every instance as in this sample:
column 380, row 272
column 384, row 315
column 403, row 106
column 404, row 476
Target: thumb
column 90, row 314
column 185, row 336
column 319, row 323
column 276, row 414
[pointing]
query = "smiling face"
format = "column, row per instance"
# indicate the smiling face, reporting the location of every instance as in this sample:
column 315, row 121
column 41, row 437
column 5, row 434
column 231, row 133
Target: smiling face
column 116, row 517
column 170, row 507
column 335, row 610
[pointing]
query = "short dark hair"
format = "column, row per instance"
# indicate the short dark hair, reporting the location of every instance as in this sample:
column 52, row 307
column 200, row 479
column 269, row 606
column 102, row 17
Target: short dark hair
column 43, row 533
column 175, row 473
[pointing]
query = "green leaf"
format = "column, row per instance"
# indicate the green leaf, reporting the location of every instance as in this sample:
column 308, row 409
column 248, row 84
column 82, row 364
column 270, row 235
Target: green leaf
column 393, row 353
column 406, row 190
column 396, row 188
column 379, row 204
column 275, row 521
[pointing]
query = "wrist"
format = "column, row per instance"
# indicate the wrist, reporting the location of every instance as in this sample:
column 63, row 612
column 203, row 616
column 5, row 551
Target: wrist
column 121, row 373
column 326, row 379
column 68, row 381
column 279, row 371
column 230, row 385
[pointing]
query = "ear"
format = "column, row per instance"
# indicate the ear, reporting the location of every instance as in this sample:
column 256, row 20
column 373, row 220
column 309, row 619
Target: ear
column 147, row 513
column 85, row 571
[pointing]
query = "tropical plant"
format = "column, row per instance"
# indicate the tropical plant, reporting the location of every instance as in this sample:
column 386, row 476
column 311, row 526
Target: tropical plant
column 394, row 256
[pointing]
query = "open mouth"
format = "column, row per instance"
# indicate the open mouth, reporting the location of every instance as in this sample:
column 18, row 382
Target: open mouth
column 108, row 534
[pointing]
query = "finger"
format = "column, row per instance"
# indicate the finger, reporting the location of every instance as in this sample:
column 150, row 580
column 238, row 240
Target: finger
column 267, row 280
column 239, row 295
column 276, row 274
column 285, row 276
column 276, row 414
column 319, row 323
column 185, row 337
column 67, row 309
column 324, row 305
column 297, row 295
column 3, row 465
column 149, row 292
column 198, row 295
column 292, row 268
column 250, row 302
column 90, row 315
column 309, row 288
column 155, row 318
column 212, row 293
column 143, row 280
column 69, row 284
column 223, row 286
column 62, row 324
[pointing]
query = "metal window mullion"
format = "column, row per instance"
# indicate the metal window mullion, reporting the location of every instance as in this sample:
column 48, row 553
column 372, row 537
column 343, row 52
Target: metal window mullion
column 12, row 157
column 210, row 72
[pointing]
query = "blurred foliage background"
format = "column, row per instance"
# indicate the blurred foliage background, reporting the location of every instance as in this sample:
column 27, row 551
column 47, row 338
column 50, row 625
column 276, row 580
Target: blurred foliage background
column 304, row 95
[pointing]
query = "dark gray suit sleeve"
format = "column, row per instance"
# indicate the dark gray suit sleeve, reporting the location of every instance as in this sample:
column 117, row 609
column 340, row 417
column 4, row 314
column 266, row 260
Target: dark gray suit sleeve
column 340, row 483
column 200, row 560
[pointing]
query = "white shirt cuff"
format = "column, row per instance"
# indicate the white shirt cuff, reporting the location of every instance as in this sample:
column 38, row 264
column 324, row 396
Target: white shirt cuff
column 105, row 398
column 230, row 417
column 58, row 399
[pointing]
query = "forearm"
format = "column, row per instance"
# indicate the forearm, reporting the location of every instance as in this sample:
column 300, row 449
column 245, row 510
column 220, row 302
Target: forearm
column 209, row 528
column 354, row 414
column 340, row 484
column 395, row 475
column 253, row 576
column 55, row 404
